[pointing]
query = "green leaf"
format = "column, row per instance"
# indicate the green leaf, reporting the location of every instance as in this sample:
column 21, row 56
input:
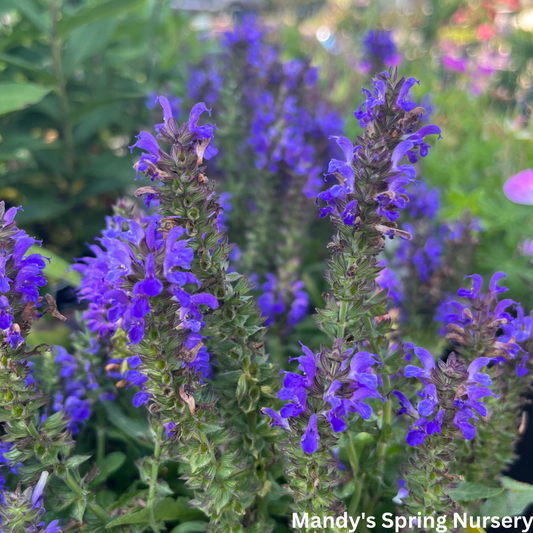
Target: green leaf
column 109, row 465
column 512, row 501
column 133, row 517
column 58, row 269
column 86, row 42
column 15, row 96
column 190, row 527
column 77, row 460
column 99, row 11
column 468, row 492
column 28, row 66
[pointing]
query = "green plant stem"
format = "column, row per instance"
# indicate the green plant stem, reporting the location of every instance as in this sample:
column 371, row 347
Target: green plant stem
column 100, row 438
column 385, row 425
column 153, row 477
column 354, row 463
column 76, row 489
column 61, row 89
column 342, row 316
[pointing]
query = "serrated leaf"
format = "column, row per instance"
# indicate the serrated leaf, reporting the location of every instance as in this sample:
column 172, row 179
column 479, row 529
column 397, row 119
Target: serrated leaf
column 15, row 96
column 468, row 492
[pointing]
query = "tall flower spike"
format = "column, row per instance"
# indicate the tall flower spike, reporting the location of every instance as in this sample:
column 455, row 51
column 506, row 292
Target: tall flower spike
column 209, row 313
column 355, row 374
column 474, row 327
column 450, row 410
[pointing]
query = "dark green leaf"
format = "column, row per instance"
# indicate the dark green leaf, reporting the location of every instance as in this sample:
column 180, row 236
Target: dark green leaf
column 109, row 465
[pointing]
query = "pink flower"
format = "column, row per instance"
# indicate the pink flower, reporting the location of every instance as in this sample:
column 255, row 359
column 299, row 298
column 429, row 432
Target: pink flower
column 519, row 188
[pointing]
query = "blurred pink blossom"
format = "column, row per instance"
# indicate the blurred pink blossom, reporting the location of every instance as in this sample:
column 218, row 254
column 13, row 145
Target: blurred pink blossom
column 519, row 188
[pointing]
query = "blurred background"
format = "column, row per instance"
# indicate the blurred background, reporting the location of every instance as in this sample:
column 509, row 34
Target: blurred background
column 80, row 78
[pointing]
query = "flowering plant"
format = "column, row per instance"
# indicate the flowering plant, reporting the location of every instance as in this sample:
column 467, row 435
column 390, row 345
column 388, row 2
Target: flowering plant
column 173, row 339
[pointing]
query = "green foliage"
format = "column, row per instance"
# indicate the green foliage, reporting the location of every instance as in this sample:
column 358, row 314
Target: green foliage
column 75, row 80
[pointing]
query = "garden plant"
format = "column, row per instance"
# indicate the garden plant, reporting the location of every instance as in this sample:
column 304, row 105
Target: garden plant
column 277, row 329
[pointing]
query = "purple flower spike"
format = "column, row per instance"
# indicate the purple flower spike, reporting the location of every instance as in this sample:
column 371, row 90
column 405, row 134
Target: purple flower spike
column 311, row 437
column 519, row 188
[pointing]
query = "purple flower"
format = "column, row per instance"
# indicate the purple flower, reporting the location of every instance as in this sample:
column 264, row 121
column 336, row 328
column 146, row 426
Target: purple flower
column 6, row 319
column 178, row 255
column 140, row 398
column 311, row 437
column 426, row 359
column 402, row 493
column 344, row 167
column 278, row 420
column 4, row 281
column 150, row 286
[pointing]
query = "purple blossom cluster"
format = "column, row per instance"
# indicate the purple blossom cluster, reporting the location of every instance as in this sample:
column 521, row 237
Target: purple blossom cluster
column 379, row 50
column 278, row 298
column 353, row 385
column 26, row 508
column 139, row 264
column 394, row 199
column 287, row 117
column 430, row 412
column 486, row 314
column 21, row 275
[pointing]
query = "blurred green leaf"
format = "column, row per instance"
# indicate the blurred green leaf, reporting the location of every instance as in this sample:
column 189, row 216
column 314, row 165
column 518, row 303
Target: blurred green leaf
column 32, row 11
column 15, row 96
column 86, row 42
column 99, row 11
column 27, row 66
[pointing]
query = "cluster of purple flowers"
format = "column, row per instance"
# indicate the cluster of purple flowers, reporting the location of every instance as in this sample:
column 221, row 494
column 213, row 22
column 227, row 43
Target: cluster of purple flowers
column 288, row 119
column 278, row 298
column 138, row 262
column 21, row 275
column 430, row 412
column 477, row 314
column 379, row 50
column 394, row 199
column 345, row 394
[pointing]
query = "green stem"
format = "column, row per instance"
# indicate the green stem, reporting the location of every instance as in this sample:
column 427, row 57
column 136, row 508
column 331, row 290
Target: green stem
column 62, row 89
column 354, row 463
column 153, row 477
column 385, row 425
column 342, row 316
column 99, row 511
column 100, row 439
